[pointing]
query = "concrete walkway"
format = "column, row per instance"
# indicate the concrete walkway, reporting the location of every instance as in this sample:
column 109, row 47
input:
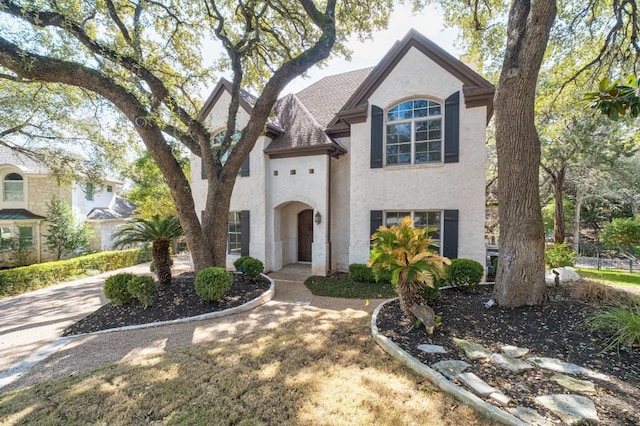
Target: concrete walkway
column 31, row 324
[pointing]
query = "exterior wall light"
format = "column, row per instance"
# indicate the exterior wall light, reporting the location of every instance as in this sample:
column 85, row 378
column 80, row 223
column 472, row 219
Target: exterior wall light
column 318, row 218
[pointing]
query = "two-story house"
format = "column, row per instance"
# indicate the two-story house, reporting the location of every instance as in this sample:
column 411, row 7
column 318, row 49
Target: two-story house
column 27, row 187
column 357, row 150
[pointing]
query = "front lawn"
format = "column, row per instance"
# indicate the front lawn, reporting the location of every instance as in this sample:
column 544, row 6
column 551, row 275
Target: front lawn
column 611, row 277
column 342, row 286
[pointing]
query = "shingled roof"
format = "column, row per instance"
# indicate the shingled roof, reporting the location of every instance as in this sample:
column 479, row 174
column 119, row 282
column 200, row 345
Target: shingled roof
column 119, row 209
column 23, row 162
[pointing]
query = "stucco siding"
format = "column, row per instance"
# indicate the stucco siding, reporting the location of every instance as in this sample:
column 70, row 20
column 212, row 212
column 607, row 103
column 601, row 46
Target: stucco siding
column 340, row 208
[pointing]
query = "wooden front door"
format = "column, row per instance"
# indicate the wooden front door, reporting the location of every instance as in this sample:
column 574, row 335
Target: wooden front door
column 305, row 235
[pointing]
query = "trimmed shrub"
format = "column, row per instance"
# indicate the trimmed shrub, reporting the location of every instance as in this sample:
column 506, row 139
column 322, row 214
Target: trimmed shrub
column 239, row 262
column 252, row 267
column 116, row 288
column 20, row 280
column 464, row 273
column 142, row 288
column 212, row 283
column 559, row 255
column 361, row 273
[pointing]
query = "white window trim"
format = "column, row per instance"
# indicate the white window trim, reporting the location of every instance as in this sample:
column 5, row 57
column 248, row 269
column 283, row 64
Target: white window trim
column 412, row 213
column 4, row 188
column 234, row 253
column 413, row 128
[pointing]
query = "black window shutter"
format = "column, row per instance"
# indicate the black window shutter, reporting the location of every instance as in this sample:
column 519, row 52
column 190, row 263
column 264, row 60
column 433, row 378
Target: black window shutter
column 450, row 234
column 245, row 235
column 244, row 169
column 377, row 121
column 203, row 173
column 376, row 220
column 452, row 128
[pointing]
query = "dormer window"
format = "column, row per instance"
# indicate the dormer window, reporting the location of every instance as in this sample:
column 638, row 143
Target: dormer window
column 414, row 133
column 13, row 189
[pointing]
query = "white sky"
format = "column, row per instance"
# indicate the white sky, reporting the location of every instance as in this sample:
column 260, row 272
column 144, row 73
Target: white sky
column 428, row 21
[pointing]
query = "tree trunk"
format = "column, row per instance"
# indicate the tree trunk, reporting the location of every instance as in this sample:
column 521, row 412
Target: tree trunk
column 160, row 251
column 409, row 293
column 559, row 229
column 520, row 277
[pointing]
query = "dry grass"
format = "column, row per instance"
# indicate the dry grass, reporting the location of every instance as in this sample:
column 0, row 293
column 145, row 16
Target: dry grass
column 322, row 368
column 599, row 293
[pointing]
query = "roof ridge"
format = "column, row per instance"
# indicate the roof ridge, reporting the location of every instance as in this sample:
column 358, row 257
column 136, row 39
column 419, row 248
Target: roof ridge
column 306, row 110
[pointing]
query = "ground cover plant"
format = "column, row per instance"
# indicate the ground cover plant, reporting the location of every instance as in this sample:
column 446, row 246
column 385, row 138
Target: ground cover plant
column 342, row 285
column 319, row 368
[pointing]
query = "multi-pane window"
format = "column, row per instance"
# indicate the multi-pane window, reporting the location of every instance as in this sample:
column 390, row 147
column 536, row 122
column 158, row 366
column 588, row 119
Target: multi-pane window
column 234, row 239
column 414, row 132
column 25, row 233
column 13, row 187
column 88, row 192
column 5, row 238
column 421, row 219
column 217, row 140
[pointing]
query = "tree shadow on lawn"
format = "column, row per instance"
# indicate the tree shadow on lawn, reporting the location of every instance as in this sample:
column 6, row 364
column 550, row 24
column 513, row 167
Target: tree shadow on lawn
column 315, row 367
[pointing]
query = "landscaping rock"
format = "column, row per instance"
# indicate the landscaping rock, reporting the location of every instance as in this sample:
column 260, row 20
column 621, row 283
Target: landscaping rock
column 514, row 351
column 573, row 384
column 512, row 364
column 426, row 316
column 472, row 350
column 432, row 349
column 530, row 416
column 572, row 409
column 476, row 384
column 451, row 368
column 554, row 364
column 500, row 398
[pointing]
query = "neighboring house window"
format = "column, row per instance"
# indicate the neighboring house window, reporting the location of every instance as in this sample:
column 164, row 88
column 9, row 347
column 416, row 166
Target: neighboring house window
column 234, row 240
column 421, row 219
column 109, row 188
column 88, row 192
column 414, row 133
column 13, row 187
column 25, row 234
column 5, row 238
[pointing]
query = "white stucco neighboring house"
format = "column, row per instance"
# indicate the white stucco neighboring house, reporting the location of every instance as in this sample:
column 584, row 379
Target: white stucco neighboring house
column 357, row 150
column 27, row 187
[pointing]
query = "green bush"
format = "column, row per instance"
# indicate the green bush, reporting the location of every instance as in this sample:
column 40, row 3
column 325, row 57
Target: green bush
column 20, row 280
column 464, row 273
column 430, row 294
column 621, row 324
column 212, row 283
column 116, row 288
column 252, row 267
column 361, row 273
column 142, row 288
column 239, row 262
column 559, row 255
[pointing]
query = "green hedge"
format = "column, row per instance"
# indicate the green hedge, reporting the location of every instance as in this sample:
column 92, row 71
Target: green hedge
column 20, row 280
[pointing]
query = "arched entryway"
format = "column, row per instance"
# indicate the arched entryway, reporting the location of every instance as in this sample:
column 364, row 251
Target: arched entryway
column 305, row 235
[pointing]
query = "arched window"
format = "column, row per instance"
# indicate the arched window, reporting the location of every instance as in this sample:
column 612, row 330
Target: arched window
column 414, row 132
column 13, row 189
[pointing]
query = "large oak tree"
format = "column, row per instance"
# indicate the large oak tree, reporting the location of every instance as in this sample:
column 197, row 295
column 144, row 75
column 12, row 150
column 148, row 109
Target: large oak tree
column 145, row 57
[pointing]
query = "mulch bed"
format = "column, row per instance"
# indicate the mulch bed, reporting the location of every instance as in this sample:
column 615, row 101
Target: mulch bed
column 178, row 300
column 556, row 330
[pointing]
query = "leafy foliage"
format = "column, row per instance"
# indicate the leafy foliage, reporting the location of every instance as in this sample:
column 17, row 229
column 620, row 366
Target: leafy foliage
column 21, row 252
column 616, row 98
column 361, row 273
column 559, row 255
column 66, row 234
column 249, row 266
column 116, row 288
column 623, row 233
column 464, row 273
column 621, row 324
column 142, row 288
column 403, row 251
column 159, row 232
column 212, row 283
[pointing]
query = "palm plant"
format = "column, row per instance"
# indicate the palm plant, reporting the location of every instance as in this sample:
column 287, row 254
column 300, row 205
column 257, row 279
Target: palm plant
column 158, row 232
column 403, row 250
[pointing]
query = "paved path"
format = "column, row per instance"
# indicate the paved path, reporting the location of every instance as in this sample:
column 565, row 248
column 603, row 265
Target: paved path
column 32, row 323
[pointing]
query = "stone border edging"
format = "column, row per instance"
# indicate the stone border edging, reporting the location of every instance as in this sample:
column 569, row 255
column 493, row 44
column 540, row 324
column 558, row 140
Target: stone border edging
column 484, row 408
column 22, row 367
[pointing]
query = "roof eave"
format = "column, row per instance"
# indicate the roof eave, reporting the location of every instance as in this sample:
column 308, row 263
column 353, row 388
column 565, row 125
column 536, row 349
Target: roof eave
column 333, row 150
column 215, row 95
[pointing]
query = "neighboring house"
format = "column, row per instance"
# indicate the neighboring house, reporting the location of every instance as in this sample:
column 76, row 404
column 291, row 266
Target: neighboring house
column 358, row 150
column 27, row 187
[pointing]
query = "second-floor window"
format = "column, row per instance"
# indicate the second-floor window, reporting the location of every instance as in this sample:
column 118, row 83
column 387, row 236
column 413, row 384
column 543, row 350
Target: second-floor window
column 13, row 189
column 414, row 133
column 88, row 192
